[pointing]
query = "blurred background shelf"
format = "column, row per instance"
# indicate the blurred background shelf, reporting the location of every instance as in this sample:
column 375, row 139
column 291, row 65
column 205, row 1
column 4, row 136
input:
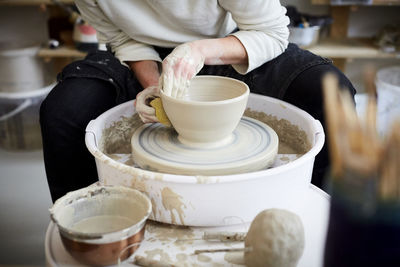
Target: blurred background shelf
column 350, row 48
column 343, row 44
column 32, row 2
column 62, row 51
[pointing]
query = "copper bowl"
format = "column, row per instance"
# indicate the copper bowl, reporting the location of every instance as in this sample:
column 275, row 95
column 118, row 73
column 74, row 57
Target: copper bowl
column 100, row 224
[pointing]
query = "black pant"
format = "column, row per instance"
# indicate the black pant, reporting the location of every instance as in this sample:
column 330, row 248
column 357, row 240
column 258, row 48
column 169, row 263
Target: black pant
column 89, row 87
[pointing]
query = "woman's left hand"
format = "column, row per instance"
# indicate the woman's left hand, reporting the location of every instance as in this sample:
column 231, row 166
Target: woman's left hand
column 142, row 104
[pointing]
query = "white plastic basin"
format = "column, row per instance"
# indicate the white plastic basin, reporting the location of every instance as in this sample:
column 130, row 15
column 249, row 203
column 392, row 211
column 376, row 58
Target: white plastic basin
column 215, row 200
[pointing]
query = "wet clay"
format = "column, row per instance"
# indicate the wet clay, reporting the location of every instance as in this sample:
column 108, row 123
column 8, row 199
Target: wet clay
column 292, row 140
column 116, row 138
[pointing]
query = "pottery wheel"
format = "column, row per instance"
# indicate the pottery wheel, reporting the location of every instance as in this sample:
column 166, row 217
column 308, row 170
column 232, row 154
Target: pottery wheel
column 253, row 146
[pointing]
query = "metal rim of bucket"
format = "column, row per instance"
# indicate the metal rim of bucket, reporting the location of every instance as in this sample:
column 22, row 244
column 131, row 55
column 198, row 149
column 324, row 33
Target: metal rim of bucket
column 89, row 192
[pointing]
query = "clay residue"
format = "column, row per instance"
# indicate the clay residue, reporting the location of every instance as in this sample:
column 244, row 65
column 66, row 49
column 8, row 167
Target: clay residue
column 203, row 258
column 180, row 236
column 172, row 202
column 234, row 258
column 292, row 140
column 116, row 138
column 285, row 158
column 157, row 254
column 116, row 157
column 129, row 162
column 138, row 183
column 202, row 179
column 155, row 209
column 168, row 232
column 181, row 257
column 286, row 149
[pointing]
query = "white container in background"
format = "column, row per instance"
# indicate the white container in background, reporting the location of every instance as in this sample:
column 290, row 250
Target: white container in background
column 19, row 119
column 388, row 91
column 304, row 37
column 21, row 70
column 215, row 200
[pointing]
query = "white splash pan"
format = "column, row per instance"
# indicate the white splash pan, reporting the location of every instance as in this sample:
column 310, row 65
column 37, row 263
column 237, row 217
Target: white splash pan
column 215, row 200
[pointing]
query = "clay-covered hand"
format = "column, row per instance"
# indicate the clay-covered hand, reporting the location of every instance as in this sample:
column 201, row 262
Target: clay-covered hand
column 142, row 103
column 179, row 67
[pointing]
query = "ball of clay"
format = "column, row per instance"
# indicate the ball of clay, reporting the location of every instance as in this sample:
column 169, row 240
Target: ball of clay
column 275, row 238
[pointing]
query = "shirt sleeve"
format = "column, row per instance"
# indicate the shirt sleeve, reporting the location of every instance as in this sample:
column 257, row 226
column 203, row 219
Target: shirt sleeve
column 263, row 30
column 124, row 47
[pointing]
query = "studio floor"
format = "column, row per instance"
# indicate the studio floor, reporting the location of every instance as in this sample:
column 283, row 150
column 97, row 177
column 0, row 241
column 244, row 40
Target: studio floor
column 24, row 203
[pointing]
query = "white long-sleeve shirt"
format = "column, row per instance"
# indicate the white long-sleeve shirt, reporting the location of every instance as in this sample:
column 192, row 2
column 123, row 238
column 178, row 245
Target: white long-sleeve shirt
column 133, row 27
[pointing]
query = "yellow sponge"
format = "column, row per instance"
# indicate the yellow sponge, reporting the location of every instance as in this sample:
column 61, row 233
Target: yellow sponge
column 160, row 113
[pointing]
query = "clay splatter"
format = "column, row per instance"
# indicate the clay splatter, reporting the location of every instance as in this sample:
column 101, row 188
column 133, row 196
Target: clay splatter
column 172, row 202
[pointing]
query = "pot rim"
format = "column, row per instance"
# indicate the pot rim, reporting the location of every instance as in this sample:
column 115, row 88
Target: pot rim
column 243, row 95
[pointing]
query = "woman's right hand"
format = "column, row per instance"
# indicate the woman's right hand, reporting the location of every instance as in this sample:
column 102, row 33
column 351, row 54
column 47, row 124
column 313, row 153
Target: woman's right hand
column 179, row 67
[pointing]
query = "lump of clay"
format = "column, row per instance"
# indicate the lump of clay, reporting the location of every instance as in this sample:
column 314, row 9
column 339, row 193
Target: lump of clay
column 275, row 239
